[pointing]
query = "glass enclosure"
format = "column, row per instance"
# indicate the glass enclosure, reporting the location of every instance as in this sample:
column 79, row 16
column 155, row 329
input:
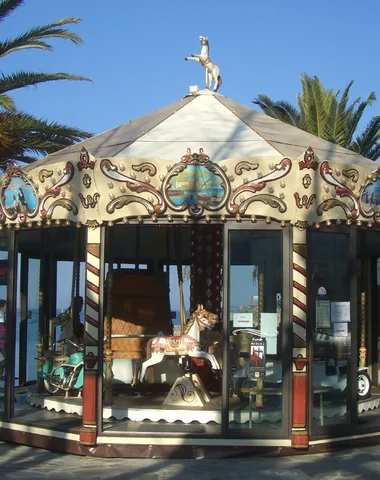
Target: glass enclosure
column 331, row 317
column 257, row 362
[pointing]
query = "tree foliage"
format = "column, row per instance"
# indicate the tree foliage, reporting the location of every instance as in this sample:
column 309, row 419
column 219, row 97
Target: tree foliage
column 328, row 114
column 24, row 137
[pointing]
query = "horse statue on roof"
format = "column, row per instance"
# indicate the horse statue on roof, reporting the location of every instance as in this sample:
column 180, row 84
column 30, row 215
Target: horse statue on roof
column 186, row 344
column 212, row 71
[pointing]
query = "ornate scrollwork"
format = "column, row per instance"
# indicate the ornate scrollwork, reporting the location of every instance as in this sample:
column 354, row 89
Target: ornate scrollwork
column 44, row 174
column 281, row 170
column 309, row 160
column 84, row 160
column 195, row 158
column 301, row 225
column 241, row 166
column 306, row 201
column 352, row 174
column 90, row 201
column 351, row 211
column 111, row 171
column 55, row 190
column 92, row 224
column 145, row 167
column 62, row 202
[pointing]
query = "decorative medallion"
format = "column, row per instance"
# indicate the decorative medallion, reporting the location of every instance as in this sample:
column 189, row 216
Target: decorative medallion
column 309, row 160
column 306, row 201
column 90, row 201
column 351, row 209
column 306, row 181
column 301, row 225
column 370, row 197
column 84, row 160
column 86, row 180
column 19, row 196
column 92, row 224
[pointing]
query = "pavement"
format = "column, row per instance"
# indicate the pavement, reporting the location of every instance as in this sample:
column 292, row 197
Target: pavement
column 18, row 461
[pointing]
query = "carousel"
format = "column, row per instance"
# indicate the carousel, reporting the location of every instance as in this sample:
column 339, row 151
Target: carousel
column 223, row 275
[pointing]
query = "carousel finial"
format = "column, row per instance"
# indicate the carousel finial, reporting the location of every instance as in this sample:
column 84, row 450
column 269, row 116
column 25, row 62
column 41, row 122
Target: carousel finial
column 212, row 71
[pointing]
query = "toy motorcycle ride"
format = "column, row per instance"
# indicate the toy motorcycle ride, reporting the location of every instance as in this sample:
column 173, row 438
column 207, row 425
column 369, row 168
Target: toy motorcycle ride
column 63, row 373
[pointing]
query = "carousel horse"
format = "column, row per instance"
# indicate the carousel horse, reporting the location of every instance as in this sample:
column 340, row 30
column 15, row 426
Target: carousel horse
column 186, row 344
column 212, row 71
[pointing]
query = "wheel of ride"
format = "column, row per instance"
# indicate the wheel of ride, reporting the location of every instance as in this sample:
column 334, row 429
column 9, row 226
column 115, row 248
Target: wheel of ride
column 50, row 388
column 364, row 385
column 243, row 382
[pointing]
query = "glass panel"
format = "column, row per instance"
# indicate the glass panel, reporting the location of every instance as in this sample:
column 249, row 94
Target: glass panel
column 368, row 275
column 255, row 324
column 330, row 292
column 3, row 312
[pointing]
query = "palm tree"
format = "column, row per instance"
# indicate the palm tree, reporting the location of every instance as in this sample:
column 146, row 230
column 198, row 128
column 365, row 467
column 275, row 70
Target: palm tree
column 22, row 136
column 329, row 115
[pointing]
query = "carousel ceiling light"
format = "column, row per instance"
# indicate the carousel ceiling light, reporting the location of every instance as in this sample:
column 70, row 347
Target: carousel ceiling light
column 231, row 178
column 259, row 174
column 170, row 218
column 122, row 189
column 271, row 166
column 132, row 175
column 208, row 219
column 9, row 226
column 110, row 224
column 339, row 221
column 186, row 219
column 67, row 222
column 147, row 179
column 224, row 168
column 1, row 226
column 78, row 225
column 326, row 188
column 112, row 196
column 316, row 225
column 69, row 188
column 271, row 189
column 245, row 180
column 63, row 193
column 122, row 167
column 282, row 184
column 338, row 172
column 48, row 222
column 140, row 219
column 168, row 168
column 328, row 223
column 18, row 226
column 30, row 224
column 53, row 180
column 283, row 224
column 222, row 218
column 241, row 198
column 59, row 171
column 348, row 222
column 154, row 218
column 46, row 187
column 238, row 217
column 282, row 195
column 370, row 224
column 268, row 220
column 110, row 184
column 125, row 220
column 58, row 222
column 253, row 219
column 39, row 223
column 359, row 223
column 161, row 177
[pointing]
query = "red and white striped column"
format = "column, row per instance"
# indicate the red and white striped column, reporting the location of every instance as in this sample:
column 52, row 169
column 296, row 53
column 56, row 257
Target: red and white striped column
column 300, row 437
column 94, row 268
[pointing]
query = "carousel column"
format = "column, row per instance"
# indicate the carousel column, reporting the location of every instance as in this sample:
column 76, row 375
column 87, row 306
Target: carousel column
column 300, row 436
column 92, row 340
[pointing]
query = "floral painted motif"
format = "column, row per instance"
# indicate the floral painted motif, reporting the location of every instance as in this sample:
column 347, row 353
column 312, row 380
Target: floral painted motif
column 306, row 181
column 87, row 181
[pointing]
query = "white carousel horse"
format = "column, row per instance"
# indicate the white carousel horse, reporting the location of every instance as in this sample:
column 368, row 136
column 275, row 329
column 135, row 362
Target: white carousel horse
column 212, row 71
column 186, row 344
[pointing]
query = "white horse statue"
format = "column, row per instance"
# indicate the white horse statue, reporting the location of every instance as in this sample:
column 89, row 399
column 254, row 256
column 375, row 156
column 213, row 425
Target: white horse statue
column 186, row 344
column 212, row 71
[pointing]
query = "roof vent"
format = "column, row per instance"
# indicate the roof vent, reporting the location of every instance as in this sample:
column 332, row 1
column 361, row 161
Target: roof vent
column 194, row 89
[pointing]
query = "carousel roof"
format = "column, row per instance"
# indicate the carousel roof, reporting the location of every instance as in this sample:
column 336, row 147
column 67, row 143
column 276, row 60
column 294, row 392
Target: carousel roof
column 219, row 125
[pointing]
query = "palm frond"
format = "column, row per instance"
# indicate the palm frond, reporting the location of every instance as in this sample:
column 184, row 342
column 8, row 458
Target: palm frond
column 34, row 38
column 364, row 142
column 283, row 111
column 7, row 7
column 7, row 103
column 26, row 79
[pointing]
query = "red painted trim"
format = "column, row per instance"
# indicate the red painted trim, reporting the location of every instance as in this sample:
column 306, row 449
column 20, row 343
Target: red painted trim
column 299, row 322
column 299, row 304
column 92, row 287
column 299, row 287
column 92, row 304
column 93, row 269
column 92, row 321
column 299, row 269
column 299, row 399
column 89, row 398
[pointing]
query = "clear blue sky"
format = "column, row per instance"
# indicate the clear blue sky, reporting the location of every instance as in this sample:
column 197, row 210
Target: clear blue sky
column 134, row 53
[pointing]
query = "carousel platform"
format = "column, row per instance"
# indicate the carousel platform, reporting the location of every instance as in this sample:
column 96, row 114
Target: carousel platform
column 139, row 408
